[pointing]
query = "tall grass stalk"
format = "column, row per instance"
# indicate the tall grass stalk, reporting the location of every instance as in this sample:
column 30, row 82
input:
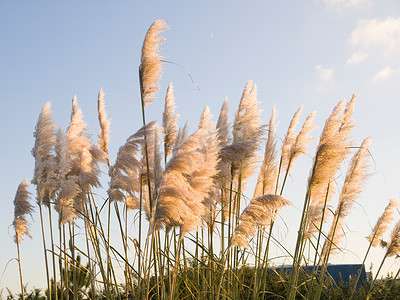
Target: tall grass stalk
column 44, row 249
column 53, row 253
column 20, row 272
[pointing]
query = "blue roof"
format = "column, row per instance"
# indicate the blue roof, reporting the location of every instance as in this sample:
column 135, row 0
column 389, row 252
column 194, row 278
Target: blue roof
column 338, row 272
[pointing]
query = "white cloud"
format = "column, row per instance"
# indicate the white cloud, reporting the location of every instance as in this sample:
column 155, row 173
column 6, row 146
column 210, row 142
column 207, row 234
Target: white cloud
column 326, row 81
column 325, row 74
column 383, row 74
column 341, row 5
column 356, row 58
column 380, row 36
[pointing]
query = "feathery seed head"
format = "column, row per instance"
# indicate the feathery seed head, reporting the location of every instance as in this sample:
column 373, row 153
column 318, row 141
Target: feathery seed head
column 104, row 133
column 355, row 179
column 383, row 223
column 187, row 181
column 268, row 170
column 290, row 137
column 150, row 66
column 170, row 126
column 302, row 141
column 333, row 148
column 45, row 166
column 393, row 247
column 247, row 128
column 205, row 119
column 260, row 212
column 22, row 207
column 222, row 125
column 125, row 174
column 66, row 204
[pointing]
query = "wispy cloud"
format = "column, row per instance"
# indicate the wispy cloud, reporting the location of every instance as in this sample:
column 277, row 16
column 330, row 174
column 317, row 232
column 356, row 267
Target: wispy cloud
column 325, row 78
column 378, row 42
column 325, row 74
column 341, row 5
column 380, row 36
column 383, row 74
column 356, row 58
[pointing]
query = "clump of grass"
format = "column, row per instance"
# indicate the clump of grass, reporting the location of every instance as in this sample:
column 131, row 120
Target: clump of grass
column 203, row 240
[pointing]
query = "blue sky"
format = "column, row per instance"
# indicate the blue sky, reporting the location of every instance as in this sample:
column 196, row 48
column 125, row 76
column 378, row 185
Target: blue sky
column 300, row 52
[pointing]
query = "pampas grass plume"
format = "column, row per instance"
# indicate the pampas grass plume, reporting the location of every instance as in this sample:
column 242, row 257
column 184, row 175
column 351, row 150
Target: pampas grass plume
column 261, row 211
column 290, row 137
column 170, row 126
column 268, row 170
column 22, row 208
column 383, row 223
column 356, row 177
column 393, row 247
column 104, row 133
column 150, row 67
column 222, row 125
column 45, row 166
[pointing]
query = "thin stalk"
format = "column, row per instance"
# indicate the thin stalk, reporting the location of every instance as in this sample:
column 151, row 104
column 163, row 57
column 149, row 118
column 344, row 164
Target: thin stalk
column 66, row 264
column 175, row 271
column 104, row 273
column 53, row 254
column 211, row 268
column 224, row 259
column 20, row 272
column 256, row 265
column 60, row 264
column 124, row 243
column 196, row 255
column 149, row 267
column 129, row 279
column 286, row 175
column 266, row 254
column 392, row 283
column 140, row 238
column 85, row 219
column 315, row 266
column 72, row 241
column 45, row 250
column 236, row 252
column 156, row 263
column 108, row 240
column 380, row 267
column 145, row 139
column 371, row 289
column 326, row 259
column 362, row 265
column 229, row 222
column 299, row 243
column 278, row 175
column 222, row 223
column 168, row 261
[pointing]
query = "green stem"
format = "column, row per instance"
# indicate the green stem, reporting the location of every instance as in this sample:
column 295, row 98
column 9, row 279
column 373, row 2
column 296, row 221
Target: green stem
column 45, row 250
column 20, row 270
column 53, row 254
column 175, row 271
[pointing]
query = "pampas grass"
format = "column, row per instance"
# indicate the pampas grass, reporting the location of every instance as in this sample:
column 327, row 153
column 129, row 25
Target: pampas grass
column 150, row 65
column 259, row 213
column 170, row 126
column 104, row 133
column 22, row 208
column 383, row 223
column 186, row 182
column 195, row 182
column 356, row 177
column 268, row 170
